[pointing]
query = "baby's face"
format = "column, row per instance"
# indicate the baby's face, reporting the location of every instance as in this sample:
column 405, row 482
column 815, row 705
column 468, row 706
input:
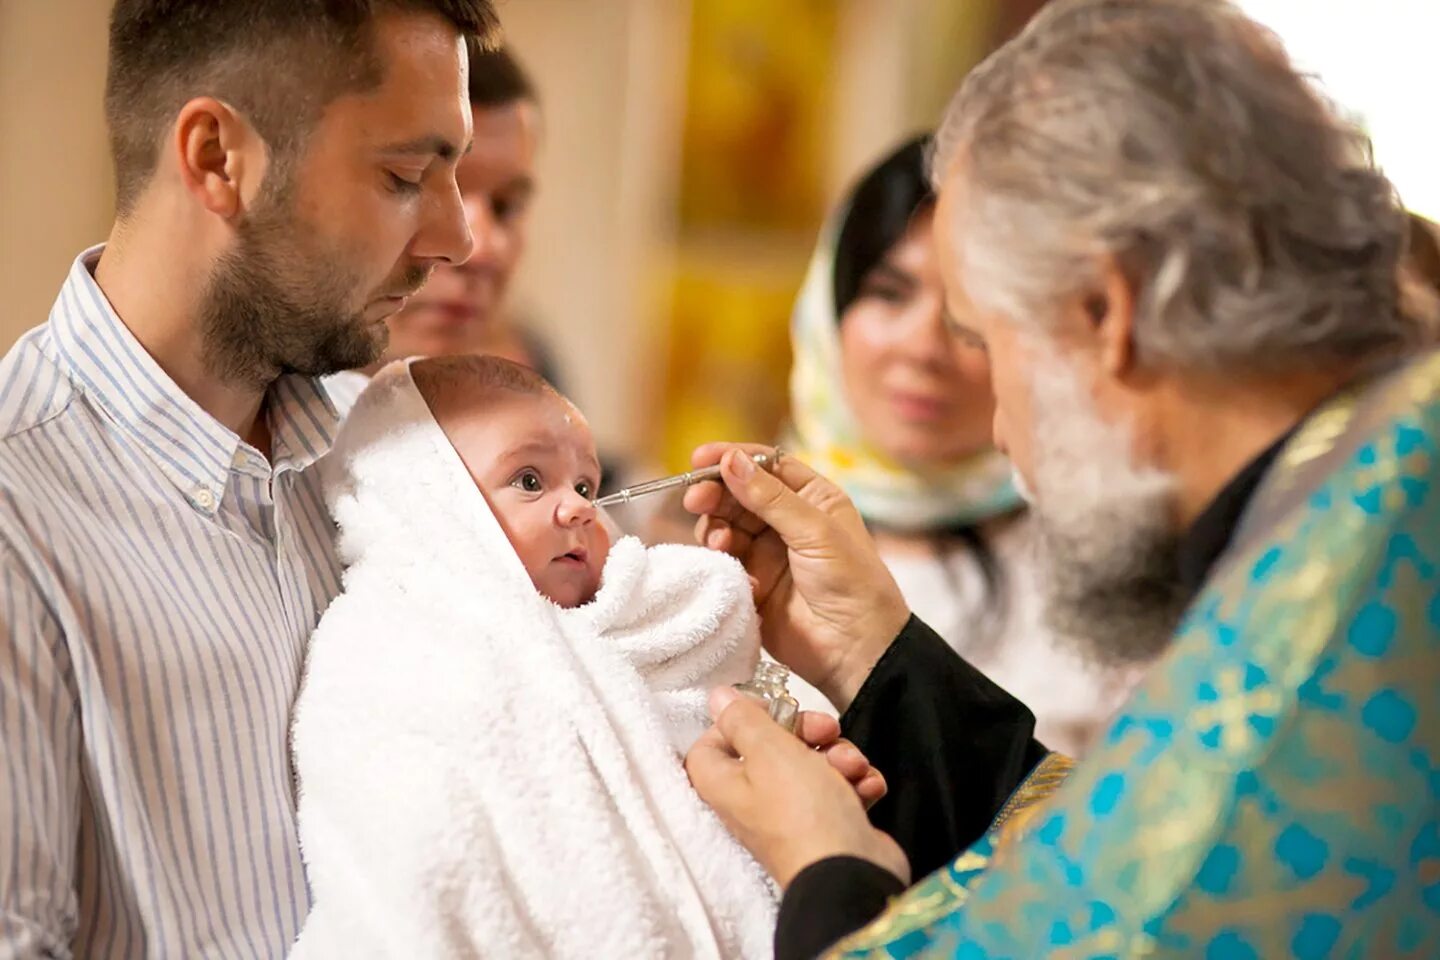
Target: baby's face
column 534, row 459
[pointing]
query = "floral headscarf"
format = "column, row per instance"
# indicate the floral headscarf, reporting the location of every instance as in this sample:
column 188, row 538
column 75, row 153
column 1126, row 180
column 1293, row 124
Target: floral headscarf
column 825, row 434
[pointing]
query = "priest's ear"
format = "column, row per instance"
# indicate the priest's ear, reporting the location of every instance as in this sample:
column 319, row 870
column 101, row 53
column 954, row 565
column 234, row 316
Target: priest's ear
column 1105, row 321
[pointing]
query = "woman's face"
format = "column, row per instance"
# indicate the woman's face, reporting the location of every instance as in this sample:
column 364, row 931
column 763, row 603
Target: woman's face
column 921, row 396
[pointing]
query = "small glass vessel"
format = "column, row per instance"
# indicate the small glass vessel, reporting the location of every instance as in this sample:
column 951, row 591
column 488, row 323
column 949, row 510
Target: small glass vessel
column 768, row 687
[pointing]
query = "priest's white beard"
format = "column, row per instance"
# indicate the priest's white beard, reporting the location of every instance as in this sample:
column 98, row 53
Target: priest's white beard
column 1106, row 542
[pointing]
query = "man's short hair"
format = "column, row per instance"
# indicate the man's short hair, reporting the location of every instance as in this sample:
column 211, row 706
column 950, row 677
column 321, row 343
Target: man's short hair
column 279, row 62
column 498, row 80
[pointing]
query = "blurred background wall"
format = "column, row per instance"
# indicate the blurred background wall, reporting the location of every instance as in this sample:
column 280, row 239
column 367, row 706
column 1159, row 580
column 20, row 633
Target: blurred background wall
column 692, row 149
column 56, row 195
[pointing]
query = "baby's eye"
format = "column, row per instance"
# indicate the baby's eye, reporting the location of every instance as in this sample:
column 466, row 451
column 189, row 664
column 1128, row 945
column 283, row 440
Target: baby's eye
column 585, row 489
column 529, row 481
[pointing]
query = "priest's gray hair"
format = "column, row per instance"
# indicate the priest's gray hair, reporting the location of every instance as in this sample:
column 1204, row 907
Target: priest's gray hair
column 1176, row 138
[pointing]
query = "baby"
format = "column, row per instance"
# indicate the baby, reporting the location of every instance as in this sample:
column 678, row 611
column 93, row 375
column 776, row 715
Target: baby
column 487, row 737
column 531, row 454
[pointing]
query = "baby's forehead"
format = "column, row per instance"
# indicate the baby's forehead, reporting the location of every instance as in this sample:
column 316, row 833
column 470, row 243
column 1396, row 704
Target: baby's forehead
column 506, row 420
column 547, row 409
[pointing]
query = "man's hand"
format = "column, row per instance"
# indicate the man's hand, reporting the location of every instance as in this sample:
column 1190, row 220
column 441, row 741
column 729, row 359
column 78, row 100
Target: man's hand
column 785, row 802
column 822, row 732
column 829, row 607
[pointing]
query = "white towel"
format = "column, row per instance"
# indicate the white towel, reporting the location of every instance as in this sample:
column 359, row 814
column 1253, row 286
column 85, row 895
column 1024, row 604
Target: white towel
column 484, row 774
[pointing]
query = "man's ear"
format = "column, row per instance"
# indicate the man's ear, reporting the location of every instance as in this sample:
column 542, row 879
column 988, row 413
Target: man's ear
column 1110, row 314
column 220, row 156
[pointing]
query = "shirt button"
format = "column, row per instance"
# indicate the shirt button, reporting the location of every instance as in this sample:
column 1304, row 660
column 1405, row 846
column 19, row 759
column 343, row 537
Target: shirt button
column 205, row 498
column 240, row 460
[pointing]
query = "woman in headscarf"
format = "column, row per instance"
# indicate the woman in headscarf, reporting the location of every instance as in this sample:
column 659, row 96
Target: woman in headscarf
column 887, row 402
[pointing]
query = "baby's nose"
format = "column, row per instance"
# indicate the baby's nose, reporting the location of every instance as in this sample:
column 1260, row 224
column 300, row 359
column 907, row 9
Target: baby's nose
column 575, row 509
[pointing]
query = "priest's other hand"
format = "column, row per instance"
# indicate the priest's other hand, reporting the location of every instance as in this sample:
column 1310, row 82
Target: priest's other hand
column 822, row 732
column 785, row 801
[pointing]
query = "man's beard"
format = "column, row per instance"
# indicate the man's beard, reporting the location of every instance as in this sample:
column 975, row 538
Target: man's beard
column 280, row 302
column 1107, row 543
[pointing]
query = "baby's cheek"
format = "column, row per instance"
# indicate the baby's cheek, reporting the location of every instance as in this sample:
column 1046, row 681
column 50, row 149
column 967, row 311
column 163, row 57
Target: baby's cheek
column 530, row 557
column 600, row 549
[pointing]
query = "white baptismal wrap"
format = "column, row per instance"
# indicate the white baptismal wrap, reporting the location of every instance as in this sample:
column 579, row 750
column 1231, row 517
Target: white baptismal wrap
column 484, row 774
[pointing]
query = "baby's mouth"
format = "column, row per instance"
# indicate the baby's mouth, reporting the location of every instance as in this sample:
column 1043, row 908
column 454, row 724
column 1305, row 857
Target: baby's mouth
column 578, row 556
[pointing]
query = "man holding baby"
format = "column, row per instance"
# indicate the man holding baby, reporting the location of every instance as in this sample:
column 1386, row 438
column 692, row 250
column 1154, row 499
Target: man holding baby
column 287, row 178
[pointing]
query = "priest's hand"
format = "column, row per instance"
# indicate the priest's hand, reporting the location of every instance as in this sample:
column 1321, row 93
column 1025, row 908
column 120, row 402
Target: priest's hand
column 829, row 607
column 822, row 733
column 785, row 802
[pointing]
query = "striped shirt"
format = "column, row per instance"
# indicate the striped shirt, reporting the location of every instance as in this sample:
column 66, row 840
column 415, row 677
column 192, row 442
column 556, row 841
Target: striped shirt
column 158, row 581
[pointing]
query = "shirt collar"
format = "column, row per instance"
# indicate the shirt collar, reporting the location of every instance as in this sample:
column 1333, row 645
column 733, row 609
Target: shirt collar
column 1209, row 536
column 189, row 446
column 303, row 421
